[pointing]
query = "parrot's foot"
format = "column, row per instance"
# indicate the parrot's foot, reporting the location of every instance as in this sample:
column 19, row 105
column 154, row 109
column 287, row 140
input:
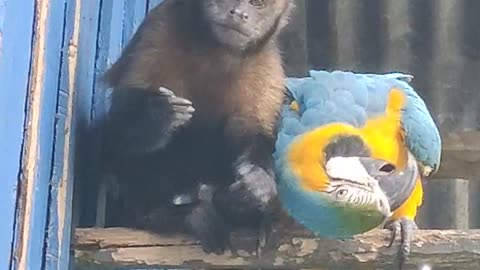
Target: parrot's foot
column 406, row 228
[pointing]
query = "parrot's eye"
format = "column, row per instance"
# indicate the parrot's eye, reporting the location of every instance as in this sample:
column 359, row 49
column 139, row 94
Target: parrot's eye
column 342, row 193
column 387, row 168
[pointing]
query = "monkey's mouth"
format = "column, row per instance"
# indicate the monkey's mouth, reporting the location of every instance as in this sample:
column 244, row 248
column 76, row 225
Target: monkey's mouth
column 230, row 27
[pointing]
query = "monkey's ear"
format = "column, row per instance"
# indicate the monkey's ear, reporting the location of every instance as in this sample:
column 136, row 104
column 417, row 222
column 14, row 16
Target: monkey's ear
column 287, row 13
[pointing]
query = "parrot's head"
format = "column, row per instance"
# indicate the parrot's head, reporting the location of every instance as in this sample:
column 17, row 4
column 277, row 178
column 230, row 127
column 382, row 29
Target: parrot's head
column 332, row 185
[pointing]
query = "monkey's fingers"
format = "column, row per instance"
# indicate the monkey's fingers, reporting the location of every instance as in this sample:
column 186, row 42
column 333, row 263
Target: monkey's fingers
column 181, row 102
column 184, row 109
column 165, row 92
column 180, row 119
column 172, row 98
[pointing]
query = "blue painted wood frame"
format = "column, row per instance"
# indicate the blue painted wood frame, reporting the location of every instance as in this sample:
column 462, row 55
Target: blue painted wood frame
column 52, row 53
column 153, row 3
column 16, row 20
column 38, row 163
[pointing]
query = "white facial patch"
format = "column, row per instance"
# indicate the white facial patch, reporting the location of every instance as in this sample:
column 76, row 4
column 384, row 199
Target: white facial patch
column 348, row 168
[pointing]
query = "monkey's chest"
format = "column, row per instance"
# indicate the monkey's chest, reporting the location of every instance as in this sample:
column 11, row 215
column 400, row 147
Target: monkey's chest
column 214, row 97
column 199, row 153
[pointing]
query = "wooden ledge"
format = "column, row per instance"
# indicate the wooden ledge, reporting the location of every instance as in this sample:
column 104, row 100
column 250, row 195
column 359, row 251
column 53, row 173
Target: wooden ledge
column 460, row 156
column 115, row 248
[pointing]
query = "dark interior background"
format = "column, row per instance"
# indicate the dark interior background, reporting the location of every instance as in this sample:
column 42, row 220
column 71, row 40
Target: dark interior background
column 438, row 41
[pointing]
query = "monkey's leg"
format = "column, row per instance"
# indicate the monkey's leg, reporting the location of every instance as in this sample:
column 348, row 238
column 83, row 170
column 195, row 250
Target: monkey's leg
column 142, row 120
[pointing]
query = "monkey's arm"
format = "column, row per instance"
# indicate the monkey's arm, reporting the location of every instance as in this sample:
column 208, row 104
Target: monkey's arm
column 251, row 194
column 244, row 202
column 142, row 121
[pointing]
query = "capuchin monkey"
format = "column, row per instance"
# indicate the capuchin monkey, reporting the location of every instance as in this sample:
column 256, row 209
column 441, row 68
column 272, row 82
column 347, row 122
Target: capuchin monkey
column 190, row 133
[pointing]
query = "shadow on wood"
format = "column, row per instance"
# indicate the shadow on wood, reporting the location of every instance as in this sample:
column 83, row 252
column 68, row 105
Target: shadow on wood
column 114, row 248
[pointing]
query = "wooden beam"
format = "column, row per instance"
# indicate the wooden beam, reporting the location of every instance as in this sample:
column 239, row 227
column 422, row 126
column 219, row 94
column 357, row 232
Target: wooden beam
column 286, row 249
column 460, row 156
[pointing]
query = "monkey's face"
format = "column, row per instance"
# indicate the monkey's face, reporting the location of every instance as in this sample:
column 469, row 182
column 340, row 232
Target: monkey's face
column 240, row 24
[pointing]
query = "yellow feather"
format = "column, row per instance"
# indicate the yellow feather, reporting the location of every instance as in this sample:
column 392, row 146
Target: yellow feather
column 383, row 134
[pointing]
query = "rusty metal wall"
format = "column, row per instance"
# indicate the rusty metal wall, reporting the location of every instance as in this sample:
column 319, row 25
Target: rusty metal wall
column 438, row 41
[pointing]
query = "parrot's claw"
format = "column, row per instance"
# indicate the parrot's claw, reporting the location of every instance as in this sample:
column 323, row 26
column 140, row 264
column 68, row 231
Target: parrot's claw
column 405, row 227
column 263, row 232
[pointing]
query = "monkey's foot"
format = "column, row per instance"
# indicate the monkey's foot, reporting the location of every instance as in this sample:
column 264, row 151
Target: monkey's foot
column 406, row 228
column 182, row 107
column 254, row 189
column 208, row 227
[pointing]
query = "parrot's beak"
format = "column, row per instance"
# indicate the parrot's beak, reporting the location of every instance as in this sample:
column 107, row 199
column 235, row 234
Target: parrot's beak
column 396, row 184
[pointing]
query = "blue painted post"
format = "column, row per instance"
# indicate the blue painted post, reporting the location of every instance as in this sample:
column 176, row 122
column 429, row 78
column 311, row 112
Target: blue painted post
column 61, row 191
column 85, row 78
column 110, row 44
column 153, row 3
column 134, row 14
column 16, row 20
column 39, row 141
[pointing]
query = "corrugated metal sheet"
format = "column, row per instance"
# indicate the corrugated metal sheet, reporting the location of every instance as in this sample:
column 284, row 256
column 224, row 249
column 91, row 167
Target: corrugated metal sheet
column 438, row 41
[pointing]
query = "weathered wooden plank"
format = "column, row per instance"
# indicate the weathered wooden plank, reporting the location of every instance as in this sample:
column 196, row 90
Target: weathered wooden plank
column 460, row 155
column 16, row 21
column 115, row 248
column 39, row 140
column 57, row 255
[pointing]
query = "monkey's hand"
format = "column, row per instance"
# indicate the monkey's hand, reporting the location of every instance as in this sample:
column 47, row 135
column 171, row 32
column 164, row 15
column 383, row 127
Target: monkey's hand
column 181, row 108
column 250, row 196
column 144, row 120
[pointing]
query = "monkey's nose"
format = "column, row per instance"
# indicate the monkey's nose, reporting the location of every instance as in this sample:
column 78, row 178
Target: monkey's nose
column 239, row 13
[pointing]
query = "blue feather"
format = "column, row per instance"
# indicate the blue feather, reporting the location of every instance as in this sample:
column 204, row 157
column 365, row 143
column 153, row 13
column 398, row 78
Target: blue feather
column 339, row 96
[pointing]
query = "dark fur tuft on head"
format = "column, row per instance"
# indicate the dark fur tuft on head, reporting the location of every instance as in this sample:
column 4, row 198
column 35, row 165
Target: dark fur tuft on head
column 346, row 146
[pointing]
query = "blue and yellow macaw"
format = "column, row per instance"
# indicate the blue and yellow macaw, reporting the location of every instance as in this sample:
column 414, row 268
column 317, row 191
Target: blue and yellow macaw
column 351, row 152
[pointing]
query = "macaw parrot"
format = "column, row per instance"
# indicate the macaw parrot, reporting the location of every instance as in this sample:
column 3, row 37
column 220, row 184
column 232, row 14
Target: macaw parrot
column 351, row 152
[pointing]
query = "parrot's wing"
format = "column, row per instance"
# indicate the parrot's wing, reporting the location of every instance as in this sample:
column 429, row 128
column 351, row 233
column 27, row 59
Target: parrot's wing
column 338, row 96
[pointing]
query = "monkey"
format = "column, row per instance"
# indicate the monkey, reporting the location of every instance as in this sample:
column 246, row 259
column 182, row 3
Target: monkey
column 196, row 95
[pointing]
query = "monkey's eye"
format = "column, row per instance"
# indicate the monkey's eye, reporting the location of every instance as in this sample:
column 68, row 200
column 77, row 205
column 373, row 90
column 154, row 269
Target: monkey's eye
column 257, row 3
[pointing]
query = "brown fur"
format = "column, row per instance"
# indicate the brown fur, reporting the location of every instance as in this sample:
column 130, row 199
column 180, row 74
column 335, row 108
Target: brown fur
column 249, row 91
column 237, row 99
